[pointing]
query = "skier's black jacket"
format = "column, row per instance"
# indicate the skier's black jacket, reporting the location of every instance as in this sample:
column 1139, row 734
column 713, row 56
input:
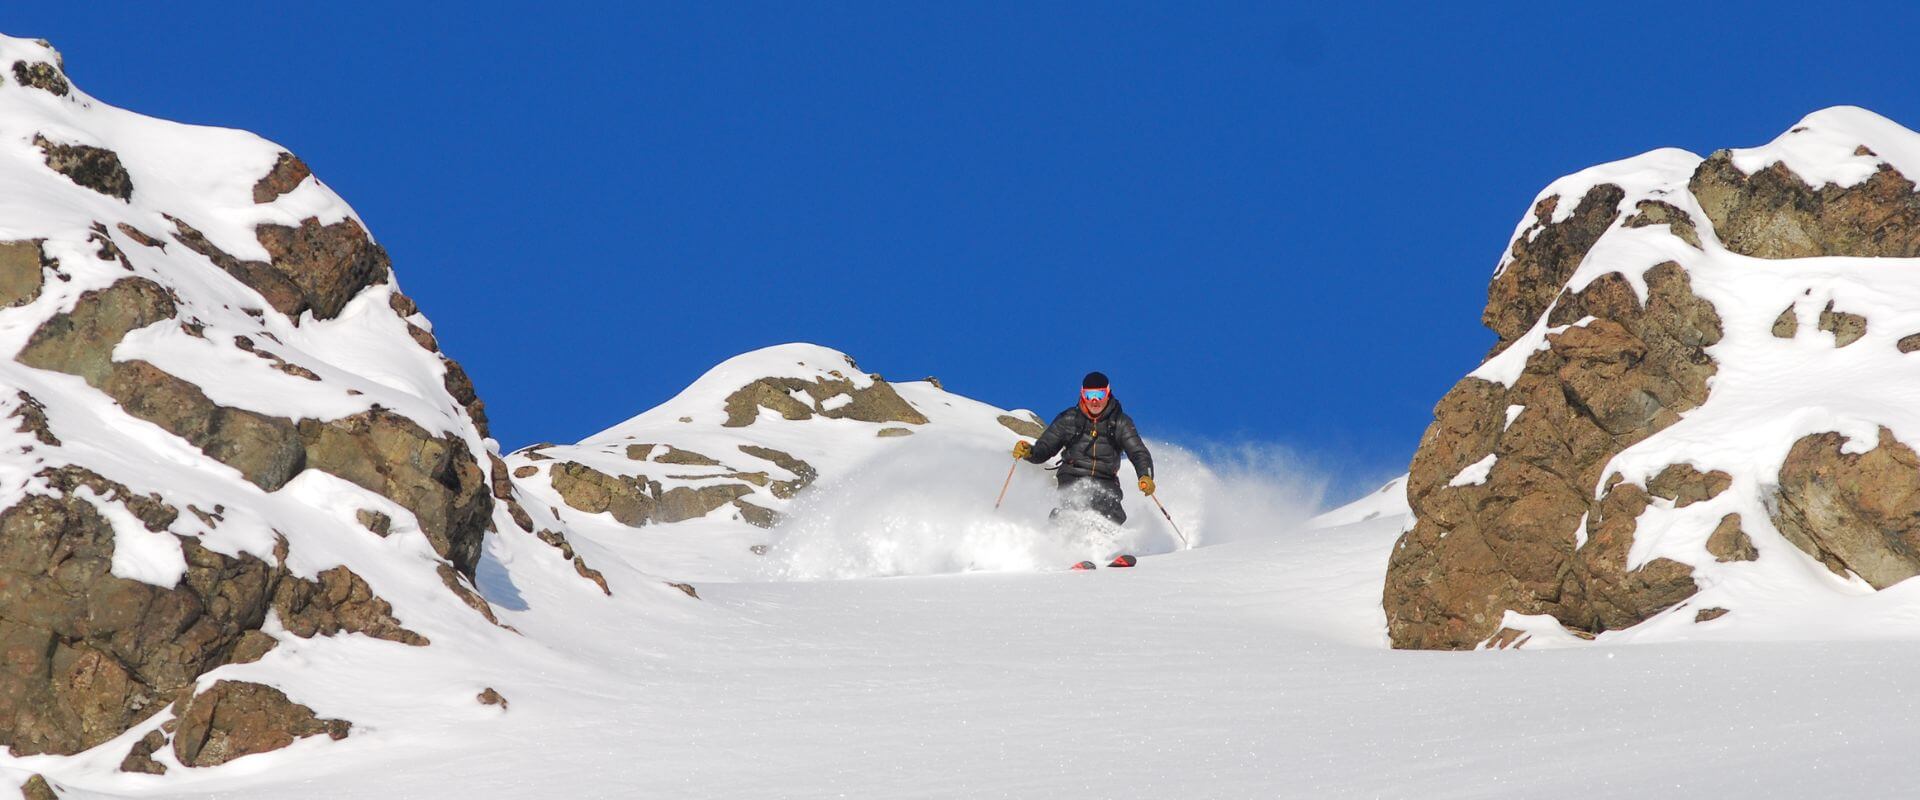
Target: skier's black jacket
column 1092, row 448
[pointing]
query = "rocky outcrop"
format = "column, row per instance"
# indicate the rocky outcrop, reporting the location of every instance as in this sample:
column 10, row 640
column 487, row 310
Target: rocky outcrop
column 1543, row 258
column 21, row 273
column 635, row 500
column 1854, row 512
column 1773, row 213
column 831, row 397
column 41, row 75
column 96, row 168
column 1480, row 549
column 1030, row 428
column 287, row 174
column 91, row 654
column 235, row 718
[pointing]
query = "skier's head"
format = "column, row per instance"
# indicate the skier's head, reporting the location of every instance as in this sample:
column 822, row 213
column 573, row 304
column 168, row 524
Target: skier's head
column 1095, row 393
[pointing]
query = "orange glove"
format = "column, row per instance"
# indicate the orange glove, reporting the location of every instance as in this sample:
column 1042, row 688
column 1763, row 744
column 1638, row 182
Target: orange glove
column 1022, row 449
column 1146, row 484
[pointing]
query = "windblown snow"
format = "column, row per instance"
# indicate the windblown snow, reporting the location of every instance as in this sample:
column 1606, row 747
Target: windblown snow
column 868, row 623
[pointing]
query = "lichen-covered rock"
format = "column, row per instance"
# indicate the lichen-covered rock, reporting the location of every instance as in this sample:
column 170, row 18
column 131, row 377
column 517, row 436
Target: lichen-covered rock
column 1602, row 592
column 1846, row 328
column 1729, row 542
column 1773, row 213
column 140, row 758
column 41, row 75
column 1508, row 543
column 1855, row 512
column 287, row 173
column 1543, row 258
column 1655, row 212
column 1030, row 428
column 96, row 168
column 1685, row 485
column 233, row 719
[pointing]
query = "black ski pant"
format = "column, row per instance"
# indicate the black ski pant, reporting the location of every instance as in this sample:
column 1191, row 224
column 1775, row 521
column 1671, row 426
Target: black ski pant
column 1099, row 495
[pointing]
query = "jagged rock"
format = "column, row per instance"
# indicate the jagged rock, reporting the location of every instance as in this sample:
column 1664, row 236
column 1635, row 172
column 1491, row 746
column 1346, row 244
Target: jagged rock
column 1479, row 549
column 1603, row 594
column 1786, row 325
column 337, row 601
column 1729, row 542
column 286, row 174
column 91, row 654
column 41, row 75
column 580, row 566
column 1654, row 212
column 1685, row 485
column 1709, row 614
column 33, row 419
column 584, row 488
column 757, row 516
column 140, row 758
column 233, row 719
column 804, row 473
column 435, row 477
column 329, row 263
column 1857, row 512
column 878, row 402
column 675, row 455
column 1774, row 214
column 1846, row 328
column 37, row 788
column 686, row 589
column 1544, row 257
column 22, row 274
column 640, row 452
column 1030, row 428
column 95, row 168
column 458, row 586
column 886, row 433
column 460, row 387
column 683, row 503
column 375, row 521
column 490, row 697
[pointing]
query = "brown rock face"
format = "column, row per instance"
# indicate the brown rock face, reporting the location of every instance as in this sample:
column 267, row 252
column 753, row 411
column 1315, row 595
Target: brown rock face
column 313, row 267
column 92, row 167
column 1685, row 485
column 22, row 274
column 1857, row 512
column 875, row 403
column 1774, row 214
column 635, row 500
column 1023, row 427
column 436, row 477
column 1602, row 594
column 1477, row 550
column 41, row 75
column 89, row 655
column 1654, row 212
column 286, row 174
column 1730, row 542
column 1544, row 258
column 234, row 719
column 1846, row 328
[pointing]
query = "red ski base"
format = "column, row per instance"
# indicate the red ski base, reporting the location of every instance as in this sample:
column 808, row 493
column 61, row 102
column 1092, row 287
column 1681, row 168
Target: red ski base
column 1124, row 561
column 1084, row 565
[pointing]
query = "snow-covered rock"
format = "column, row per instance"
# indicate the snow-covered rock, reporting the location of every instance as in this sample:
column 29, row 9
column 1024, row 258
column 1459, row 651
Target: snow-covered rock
column 1697, row 419
column 233, row 434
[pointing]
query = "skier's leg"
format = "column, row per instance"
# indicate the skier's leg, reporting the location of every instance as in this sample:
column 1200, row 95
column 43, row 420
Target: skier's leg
column 1105, row 499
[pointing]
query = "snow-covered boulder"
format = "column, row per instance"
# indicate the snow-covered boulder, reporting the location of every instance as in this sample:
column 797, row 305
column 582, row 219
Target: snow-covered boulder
column 232, row 433
column 1699, row 406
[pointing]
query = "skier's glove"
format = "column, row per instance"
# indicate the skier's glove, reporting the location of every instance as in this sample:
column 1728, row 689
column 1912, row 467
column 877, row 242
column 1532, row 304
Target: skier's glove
column 1146, row 484
column 1022, row 449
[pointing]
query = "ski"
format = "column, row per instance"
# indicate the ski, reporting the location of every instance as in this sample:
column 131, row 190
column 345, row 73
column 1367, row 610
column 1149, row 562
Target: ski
column 1124, row 561
column 1084, row 565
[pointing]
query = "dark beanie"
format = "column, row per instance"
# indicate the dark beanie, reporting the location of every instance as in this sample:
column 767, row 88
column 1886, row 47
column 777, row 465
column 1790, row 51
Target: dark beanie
column 1094, row 380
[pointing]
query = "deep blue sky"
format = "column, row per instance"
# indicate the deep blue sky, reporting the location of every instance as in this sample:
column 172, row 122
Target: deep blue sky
column 1265, row 224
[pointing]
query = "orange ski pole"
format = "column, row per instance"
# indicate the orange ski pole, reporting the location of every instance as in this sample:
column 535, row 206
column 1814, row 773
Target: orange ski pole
column 1003, row 487
column 1176, row 528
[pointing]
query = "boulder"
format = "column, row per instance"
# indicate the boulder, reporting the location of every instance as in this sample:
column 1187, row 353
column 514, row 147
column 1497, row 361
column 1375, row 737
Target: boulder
column 1773, row 213
column 233, row 719
column 1854, row 512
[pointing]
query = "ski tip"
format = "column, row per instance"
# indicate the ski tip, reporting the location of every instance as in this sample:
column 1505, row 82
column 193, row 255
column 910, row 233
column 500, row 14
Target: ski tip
column 1084, row 565
column 1124, row 561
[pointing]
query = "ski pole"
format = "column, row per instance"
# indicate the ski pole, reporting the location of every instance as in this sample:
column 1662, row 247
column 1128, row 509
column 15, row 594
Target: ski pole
column 1176, row 528
column 1003, row 487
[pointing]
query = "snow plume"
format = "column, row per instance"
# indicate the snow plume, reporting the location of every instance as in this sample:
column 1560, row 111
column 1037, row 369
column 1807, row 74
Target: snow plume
column 929, row 509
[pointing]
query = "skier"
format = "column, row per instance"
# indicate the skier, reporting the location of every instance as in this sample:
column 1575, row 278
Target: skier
column 1090, row 438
